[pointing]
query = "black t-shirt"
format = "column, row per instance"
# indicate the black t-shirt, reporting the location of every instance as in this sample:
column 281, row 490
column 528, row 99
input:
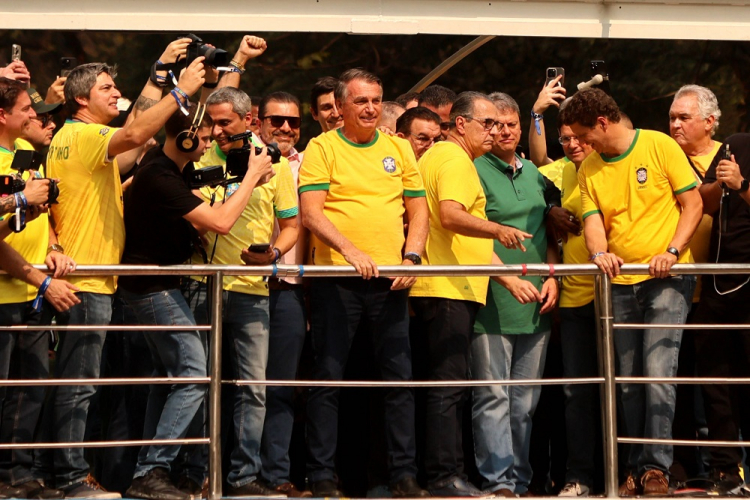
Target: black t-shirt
column 735, row 242
column 155, row 230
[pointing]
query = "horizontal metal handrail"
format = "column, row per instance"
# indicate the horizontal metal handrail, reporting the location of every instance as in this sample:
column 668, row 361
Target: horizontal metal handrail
column 682, row 380
column 52, row 382
column 662, row 326
column 104, row 444
column 684, row 442
column 111, row 328
column 415, row 383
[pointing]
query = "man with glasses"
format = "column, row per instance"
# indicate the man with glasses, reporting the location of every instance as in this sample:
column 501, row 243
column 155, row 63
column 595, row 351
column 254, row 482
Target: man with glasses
column 38, row 134
column 440, row 100
column 421, row 127
column 279, row 117
column 245, row 298
column 446, row 307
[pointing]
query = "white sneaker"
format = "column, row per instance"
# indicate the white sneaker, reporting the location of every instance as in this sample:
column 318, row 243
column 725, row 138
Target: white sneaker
column 574, row 490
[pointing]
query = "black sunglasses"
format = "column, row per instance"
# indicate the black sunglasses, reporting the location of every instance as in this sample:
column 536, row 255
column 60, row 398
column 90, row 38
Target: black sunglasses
column 278, row 121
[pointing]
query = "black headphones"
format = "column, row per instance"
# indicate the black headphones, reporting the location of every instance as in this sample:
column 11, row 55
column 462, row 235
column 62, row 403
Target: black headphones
column 187, row 140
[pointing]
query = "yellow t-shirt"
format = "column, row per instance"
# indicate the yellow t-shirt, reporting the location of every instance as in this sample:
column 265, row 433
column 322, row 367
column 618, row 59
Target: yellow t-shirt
column 366, row 185
column 449, row 174
column 554, row 171
column 276, row 198
column 31, row 243
column 702, row 237
column 577, row 291
column 635, row 193
column 88, row 218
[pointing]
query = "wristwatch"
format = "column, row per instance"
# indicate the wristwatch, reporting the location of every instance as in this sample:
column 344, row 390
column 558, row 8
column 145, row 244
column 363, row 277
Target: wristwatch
column 744, row 186
column 55, row 247
column 674, row 251
column 414, row 257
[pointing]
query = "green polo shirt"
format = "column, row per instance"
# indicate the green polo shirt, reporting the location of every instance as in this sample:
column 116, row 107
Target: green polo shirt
column 517, row 200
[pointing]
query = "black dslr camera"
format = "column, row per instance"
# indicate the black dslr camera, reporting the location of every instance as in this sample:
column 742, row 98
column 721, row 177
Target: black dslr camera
column 237, row 158
column 214, row 57
column 25, row 160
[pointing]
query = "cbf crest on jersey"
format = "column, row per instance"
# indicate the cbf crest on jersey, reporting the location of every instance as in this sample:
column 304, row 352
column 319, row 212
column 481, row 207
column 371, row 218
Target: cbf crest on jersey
column 389, row 164
column 641, row 175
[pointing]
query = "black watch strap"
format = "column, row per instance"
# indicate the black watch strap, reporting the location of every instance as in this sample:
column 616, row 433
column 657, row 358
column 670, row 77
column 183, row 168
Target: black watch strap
column 674, row 251
column 415, row 258
column 744, row 186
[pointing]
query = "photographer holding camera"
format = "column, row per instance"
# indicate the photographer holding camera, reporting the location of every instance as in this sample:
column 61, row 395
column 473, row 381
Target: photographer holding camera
column 88, row 157
column 159, row 187
column 246, row 298
column 24, row 355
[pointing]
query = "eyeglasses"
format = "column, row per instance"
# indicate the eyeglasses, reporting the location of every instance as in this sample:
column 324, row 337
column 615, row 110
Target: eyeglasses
column 487, row 123
column 445, row 125
column 565, row 140
column 424, row 140
column 43, row 119
column 278, row 121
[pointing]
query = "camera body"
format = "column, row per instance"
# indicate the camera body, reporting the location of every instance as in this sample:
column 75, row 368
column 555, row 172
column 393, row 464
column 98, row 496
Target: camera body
column 214, row 57
column 25, row 160
column 209, row 176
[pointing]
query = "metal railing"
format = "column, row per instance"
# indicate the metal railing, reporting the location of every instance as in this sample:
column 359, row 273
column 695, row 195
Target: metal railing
column 605, row 348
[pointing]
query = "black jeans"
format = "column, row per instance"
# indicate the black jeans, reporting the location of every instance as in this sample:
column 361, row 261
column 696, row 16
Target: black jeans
column 724, row 353
column 338, row 305
column 23, row 355
column 447, row 325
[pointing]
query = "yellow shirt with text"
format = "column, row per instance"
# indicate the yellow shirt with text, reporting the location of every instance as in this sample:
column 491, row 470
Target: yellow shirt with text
column 635, row 194
column 276, row 198
column 449, row 174
column 366, row 185
column 31, row 243
column 88, row 216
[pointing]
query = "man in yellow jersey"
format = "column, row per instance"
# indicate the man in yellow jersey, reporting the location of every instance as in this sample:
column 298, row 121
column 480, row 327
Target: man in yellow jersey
column 639, row 205
column 693, row 121
column 446, row 307
column 246, row 298
column 38, row 134
column 355, row 186
column 88, row 157
column 24, row 355
column 323, row 105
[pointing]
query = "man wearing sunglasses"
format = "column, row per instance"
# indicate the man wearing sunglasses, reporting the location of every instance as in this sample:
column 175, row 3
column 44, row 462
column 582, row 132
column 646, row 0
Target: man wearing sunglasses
column 440, row 100
column 421, row 127
column 38, row 134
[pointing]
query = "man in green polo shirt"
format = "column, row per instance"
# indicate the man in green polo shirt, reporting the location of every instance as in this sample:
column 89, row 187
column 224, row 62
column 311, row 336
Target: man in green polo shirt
column 510, row 339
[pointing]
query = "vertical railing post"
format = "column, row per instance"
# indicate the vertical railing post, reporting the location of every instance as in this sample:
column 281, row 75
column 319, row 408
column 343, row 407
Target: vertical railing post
column 214, row 392
column 609, row 428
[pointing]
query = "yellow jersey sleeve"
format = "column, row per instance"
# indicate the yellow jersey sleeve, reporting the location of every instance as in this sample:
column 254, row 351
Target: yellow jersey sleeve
column 93, row 141
column 315, row 171
column 452, row 185
column 285, row 197
column 677, row 168
column 413, row 185
column 588, row 205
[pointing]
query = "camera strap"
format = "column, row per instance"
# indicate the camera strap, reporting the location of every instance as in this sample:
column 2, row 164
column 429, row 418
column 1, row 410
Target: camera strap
column 161, row 81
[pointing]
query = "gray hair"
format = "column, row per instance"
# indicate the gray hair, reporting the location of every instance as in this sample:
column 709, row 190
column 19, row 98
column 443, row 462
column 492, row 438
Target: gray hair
column 82, row 79
column 240, row 101
column 504, row 103
column 464, row 105
column 350, row 75
column 708, row 105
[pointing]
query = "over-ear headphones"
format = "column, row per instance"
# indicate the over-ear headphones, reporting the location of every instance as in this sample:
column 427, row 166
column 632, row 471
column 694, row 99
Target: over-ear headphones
column 187, row 140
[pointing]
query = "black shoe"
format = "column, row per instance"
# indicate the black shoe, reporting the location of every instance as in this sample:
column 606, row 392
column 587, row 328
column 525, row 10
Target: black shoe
column 190, row 487
column 254, row 489
column 10, row 491
column 155, row 485
column 408, row 488
column 457, row 487
column 325, row 488
column 726, row 481
column 36, row 489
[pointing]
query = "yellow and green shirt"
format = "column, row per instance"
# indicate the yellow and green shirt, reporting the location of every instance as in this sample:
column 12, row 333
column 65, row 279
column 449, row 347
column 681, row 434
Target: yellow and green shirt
column 578, row 290
column 276, row 198
column 449, row 174
column 88, row 216
column 635, row 193
column 31, row 243
column 366, row 185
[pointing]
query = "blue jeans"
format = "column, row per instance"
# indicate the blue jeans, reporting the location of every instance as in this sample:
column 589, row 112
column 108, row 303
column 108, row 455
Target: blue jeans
column 23, row 355
column 170, row 408
column 79, row 355
column 582, row 420
column 648, row 409
column 501, row 415
column 245, row 323
column 338, row 307
column 288, row 327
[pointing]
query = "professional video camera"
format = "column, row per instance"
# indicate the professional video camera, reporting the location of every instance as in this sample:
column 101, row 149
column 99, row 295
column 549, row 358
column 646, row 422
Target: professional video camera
column 237, row 160
column 25, row 160
column 216, row 58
